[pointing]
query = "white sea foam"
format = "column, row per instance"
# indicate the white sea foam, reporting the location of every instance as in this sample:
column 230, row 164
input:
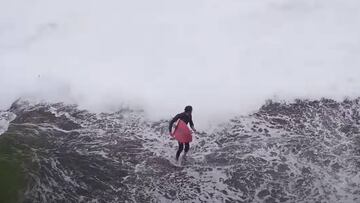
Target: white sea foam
column 5, row 119
column 223, row 57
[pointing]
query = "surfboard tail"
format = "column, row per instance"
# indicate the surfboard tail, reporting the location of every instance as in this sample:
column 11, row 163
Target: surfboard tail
column 182, row 132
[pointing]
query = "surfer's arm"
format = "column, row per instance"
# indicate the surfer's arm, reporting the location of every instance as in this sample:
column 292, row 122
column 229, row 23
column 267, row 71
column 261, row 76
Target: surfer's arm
column 172, row 122
column 192, row 124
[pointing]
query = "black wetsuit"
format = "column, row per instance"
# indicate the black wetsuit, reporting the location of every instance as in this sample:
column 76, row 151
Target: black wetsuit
column 184, row 117
column 187, row 118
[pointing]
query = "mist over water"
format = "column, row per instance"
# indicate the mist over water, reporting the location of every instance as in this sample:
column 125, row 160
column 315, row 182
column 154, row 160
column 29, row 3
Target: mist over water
column 222, row 57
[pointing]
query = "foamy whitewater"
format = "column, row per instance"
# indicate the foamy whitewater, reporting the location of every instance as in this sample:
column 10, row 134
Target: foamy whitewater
column 223, row 57
column 98, row 82
column 307, row 151
column 5, row 119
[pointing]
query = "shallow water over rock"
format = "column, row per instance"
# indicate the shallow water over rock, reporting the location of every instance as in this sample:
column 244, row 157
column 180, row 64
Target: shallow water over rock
column 307, row 151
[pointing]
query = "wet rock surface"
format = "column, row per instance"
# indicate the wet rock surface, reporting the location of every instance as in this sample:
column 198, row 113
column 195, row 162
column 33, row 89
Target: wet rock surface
column 306, row 151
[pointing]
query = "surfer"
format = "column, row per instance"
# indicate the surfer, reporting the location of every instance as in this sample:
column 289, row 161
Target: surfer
column 182, row 132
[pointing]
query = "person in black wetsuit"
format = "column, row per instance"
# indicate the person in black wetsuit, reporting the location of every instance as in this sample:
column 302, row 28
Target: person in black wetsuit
column 187, row 118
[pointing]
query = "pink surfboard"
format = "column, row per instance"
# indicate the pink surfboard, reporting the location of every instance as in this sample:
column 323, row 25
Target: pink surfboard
column 182, row 132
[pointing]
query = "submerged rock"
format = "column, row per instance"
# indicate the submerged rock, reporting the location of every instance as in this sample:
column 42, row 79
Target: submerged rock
column 305, row 151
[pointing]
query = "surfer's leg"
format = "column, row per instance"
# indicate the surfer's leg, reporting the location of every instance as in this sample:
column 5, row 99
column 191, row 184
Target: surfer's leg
column 181, row 147
column 187, row 147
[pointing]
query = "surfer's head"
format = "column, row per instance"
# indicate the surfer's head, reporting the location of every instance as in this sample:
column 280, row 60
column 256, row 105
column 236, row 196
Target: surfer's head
column 188, row 109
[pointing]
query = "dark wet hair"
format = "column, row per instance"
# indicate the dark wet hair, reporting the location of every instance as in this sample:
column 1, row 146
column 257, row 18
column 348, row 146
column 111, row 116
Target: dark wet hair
column 188, row 109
